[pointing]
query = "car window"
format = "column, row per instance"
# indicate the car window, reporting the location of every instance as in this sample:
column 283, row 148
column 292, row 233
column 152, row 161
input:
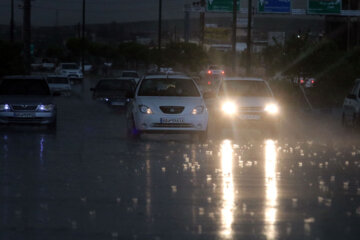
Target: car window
column 115, row 85
column 57, row 80
column 24, row 87
column 244, row 88
column 168, row 87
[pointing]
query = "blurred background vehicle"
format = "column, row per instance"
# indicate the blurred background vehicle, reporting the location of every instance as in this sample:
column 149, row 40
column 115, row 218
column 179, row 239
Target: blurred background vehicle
column 59, row 84
column 116, row 92
column 70, row 70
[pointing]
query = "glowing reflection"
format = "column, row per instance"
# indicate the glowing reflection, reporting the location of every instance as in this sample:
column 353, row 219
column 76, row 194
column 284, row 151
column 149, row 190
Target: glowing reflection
column 271, row 189
column 227, row 210
column 148, row 183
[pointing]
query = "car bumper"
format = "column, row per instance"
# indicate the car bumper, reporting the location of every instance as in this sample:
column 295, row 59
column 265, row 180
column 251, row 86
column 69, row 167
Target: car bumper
column 27, row 118
column 173, row 123
column 247, row 119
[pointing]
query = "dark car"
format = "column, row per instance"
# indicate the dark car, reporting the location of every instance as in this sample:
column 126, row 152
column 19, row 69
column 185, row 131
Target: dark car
column 116, row 92
column 26, row 99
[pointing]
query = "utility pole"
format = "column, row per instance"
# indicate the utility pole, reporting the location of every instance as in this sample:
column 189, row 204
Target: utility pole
column 27, row 35
column 233, row 40
column 202, row 23
column 159, row 32
column 83, row 39
column 187, row 24
column 348, row 32
column 248, row 42
column 12, row 25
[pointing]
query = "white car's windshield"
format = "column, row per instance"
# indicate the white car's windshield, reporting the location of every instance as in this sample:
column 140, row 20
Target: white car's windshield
column 57, row 80
column 244, row 88
column 168, row 87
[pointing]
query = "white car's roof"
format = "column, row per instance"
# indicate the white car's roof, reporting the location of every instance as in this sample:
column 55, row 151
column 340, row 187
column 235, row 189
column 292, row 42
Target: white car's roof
column 243, row 79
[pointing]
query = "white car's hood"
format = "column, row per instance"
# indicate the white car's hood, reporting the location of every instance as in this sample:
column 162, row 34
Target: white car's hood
column 249, row 101
column 155, row 102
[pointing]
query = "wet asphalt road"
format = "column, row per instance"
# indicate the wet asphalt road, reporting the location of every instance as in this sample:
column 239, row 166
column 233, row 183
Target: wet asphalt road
column 88, row 181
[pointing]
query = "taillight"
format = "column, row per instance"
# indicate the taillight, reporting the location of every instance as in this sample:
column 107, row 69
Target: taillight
column 209, row 72
column 302, row 81
column 222, row 72
column 209, row 82
column 312, row 81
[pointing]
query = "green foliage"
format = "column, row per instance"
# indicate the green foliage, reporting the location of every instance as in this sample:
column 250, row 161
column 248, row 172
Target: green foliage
column 11, row 61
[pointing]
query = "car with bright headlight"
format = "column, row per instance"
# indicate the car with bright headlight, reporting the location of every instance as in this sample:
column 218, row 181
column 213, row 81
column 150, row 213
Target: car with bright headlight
column 167, row 103
column 246, row 101
column 26, row 99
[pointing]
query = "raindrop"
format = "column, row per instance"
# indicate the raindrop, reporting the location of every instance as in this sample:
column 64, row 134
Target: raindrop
column 346, row 185
column 209, row 199
column 92, row 213
column 114, row 235
column 163, row 169
column 328, row 202
column 300, row 164
column 320, row 200
column 83, row 199
column 294, row 202
column 199, row 229
column 135, row 201
column 74, row 225
column 174, row 188
column 208, row 178
column 201, row 211
column 118, row 200
column 358, row 211
column 332, row 178
column 309, row 220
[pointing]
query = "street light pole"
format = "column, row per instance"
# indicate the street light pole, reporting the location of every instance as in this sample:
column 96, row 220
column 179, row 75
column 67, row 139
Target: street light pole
column 12, row 21
column 159, row 31
column 27, row 35
column 248, row 42
column 202, row 23
column 233, row 40
column 83, row 39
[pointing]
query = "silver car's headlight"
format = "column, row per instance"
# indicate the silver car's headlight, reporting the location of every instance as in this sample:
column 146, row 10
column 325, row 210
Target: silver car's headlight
column 198, row 110
column 145, row 109
column 272, row 108
column 4, row 107
column 229, row 108
column 45, row 107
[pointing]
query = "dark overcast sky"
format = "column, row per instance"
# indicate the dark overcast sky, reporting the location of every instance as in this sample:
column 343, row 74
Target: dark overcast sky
column 98, row 11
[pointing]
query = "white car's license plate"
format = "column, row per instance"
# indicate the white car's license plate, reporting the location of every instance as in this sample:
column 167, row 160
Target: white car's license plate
column 249, row 117
column 171, row 120
column 24, row 115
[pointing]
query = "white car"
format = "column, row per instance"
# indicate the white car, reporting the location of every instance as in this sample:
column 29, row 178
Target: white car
column 167, row 103
column 70, row 70
column 59, row 83
column 351, row 107
column 246, row 102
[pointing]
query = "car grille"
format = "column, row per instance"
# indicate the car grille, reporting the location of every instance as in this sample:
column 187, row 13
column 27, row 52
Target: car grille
column 24, row 107
column 172, row 125
column 172, row 109
column 251, row 109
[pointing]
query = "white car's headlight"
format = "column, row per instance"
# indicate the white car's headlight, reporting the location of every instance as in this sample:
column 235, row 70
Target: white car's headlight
column 229, row 108
column 4, row 107
column 198, row 110
column 145, row 109
column 272, row 108
column 45, row 108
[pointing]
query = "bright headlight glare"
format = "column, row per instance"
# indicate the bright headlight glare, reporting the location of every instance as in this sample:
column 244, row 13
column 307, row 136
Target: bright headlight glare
column 229, row 108
column 45, row 108
column 272, row 108
column 4, row 107
column 145, row 109
column 197, row 110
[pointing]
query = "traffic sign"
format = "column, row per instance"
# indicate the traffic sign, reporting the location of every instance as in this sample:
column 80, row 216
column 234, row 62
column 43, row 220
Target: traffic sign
column 274, row 6
column 221, row 5
column 324, row 6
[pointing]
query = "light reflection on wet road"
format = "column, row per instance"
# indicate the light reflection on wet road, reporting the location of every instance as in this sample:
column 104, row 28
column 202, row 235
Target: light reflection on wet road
column 89, row 182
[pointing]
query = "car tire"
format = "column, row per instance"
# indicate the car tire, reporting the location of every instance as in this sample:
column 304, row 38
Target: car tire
column 132, row 132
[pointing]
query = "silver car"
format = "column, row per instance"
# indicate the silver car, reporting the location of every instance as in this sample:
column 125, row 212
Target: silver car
column 26, row 99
